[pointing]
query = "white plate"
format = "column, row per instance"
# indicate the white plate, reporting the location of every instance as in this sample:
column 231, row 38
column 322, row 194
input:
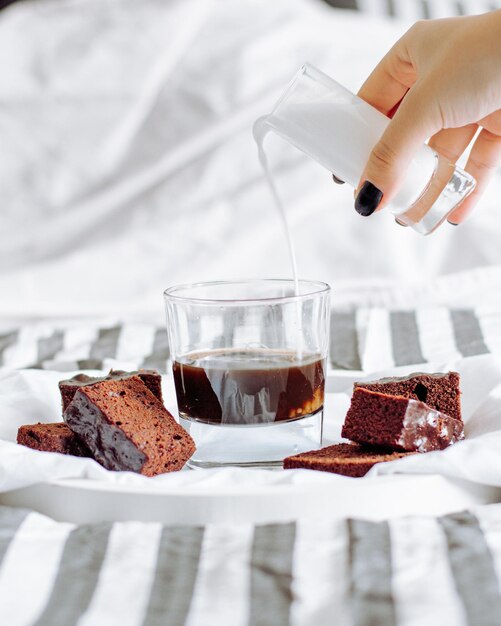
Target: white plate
column 257, row 496
column 379, row 497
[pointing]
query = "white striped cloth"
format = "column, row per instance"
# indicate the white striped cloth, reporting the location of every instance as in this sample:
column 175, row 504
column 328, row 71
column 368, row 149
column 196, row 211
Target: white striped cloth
column 406, row 572
column 364, row 339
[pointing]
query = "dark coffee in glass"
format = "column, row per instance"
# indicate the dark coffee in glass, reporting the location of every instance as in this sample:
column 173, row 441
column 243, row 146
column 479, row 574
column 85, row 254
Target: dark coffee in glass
column 248, row 387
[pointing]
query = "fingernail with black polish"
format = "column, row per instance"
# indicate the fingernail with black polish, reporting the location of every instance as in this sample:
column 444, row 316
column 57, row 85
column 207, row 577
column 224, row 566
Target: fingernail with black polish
column 397, row 221
column 337, row 180
column 368, row 199
column 452, row 223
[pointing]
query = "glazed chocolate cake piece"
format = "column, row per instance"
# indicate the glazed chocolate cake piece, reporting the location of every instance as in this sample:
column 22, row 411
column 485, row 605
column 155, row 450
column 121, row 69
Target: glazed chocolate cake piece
column 348, row 459
column 68, row 388
column 439, row 391
column 398, row 423
column 55, row 437
column 127, row 428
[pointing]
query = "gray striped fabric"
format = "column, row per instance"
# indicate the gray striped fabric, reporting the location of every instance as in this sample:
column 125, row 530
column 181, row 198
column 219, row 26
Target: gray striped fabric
column 271, row 574
column 370, row 574
column 260, row 578
column 159, row 355
column 49, row 347
column 6, row 341
column 358, row 338
column 405, row 338
column 77, row 576
column 175, row 574
column 467, row 332
column 105, row 346
column 473, row 569
column 344, row 343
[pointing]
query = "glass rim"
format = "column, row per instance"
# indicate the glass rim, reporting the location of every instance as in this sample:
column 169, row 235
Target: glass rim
column 291, row 84
column 307, row 69
column 319, row 288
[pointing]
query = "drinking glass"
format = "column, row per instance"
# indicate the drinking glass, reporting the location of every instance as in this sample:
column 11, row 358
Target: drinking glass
column 249, row 362
column 339, row 130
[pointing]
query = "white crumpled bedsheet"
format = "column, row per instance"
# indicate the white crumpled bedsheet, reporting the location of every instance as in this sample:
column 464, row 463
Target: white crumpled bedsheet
column 127, row 161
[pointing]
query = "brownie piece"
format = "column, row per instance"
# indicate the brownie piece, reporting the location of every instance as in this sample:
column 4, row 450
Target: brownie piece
column 127, row 428
column 439, row 391
column 348, row 459
column 398, row 423
column 68, row 388
column 52, row 438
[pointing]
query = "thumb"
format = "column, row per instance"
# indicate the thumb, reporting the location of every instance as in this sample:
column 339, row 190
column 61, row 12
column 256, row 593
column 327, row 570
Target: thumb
column 417, row 118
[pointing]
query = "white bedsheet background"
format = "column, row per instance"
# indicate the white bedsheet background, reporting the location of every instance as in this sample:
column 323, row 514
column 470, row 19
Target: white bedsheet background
column 127, row 162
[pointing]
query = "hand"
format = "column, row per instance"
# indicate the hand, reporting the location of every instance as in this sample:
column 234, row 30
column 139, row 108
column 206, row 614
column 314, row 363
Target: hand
column 442, row 80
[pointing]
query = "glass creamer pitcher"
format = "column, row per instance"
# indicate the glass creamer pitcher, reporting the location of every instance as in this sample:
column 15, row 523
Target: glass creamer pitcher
column 339, row 130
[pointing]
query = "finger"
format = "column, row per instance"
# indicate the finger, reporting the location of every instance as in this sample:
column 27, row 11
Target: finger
column 390, row 80
column 482, row 162
column 394, row 109
column 452, row 142
column 416, row 119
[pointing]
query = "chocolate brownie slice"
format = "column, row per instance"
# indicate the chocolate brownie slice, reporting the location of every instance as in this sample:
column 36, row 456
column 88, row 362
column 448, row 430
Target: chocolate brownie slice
column 348, row 459
column 68, row 388
column 398, row 423
column 52, row 438
column 439, row 391
column 127, row 428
